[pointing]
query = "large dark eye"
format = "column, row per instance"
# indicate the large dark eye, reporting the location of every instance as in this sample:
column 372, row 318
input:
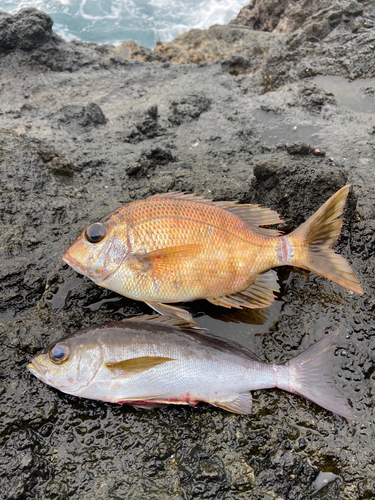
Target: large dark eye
column 59, row 353
column 95, row 233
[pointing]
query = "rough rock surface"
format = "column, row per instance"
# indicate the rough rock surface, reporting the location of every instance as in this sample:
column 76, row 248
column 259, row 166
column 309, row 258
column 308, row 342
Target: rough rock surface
column 264, row 117
column 285, row 16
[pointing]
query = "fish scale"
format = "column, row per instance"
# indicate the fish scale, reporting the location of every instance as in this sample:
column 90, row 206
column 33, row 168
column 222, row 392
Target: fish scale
column 152, row 360
column 214, row 271
column 178, row 247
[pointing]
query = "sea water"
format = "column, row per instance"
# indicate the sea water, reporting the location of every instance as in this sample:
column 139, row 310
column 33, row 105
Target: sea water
column 144, row 21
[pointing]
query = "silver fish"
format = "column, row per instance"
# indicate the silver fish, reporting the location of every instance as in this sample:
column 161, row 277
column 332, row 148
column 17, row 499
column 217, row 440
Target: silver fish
column 150, row 361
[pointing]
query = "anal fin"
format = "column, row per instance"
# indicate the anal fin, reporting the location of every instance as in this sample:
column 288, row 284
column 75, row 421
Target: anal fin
column 147, row 406
column 241, row 404
column 155, row 403
column 256, row 296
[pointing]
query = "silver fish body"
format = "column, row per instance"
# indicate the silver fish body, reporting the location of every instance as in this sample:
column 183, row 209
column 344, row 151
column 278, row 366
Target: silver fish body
column 150, row 361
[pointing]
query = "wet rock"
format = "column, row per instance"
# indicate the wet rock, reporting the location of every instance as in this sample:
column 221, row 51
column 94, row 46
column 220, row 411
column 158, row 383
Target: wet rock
column 174, row 166
column 4, row 14
column 274, row 188
column 131, row 50
column 218, row 128
column 314, row 99
column 299, row 148
column 188, row 109
column 162, row 184
column 55, row 163
column 264, row 15
column 202, row 46
column 89, row 115
column 286, row 16
column 27, row 29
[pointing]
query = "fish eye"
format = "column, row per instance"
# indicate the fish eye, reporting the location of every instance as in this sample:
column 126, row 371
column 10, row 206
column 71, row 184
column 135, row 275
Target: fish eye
column 95, row 233
column 59, row 353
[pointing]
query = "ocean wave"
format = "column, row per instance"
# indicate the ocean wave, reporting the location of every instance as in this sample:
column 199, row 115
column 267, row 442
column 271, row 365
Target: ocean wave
column 144, row 21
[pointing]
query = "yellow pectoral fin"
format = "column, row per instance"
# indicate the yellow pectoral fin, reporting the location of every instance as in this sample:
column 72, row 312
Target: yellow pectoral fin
column 138, row 364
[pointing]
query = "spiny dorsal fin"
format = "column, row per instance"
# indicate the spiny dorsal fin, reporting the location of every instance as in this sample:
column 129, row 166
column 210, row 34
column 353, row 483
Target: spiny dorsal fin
column 256, row 296
column 187, row 196
column 241, row 404
column 140, row 364
column 167, row 320
column 255, row 215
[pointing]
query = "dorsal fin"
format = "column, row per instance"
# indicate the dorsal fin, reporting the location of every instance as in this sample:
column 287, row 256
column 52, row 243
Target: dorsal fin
column 255, row 215
column 186, row 195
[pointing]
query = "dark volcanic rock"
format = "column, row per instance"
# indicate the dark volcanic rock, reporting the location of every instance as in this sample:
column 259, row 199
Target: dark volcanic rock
column 299, row 148
column 26, row 30
column 89, row 115
column 188, row 109
column 285, row 16
column 86, row 128
column 202, row 46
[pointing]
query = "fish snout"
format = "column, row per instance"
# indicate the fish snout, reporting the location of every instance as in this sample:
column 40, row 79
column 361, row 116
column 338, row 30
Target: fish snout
column 36, row 369
column 69, row 259
column 72, row 262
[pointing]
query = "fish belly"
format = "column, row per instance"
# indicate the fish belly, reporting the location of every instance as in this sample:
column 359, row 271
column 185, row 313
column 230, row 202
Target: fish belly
column 190, row 377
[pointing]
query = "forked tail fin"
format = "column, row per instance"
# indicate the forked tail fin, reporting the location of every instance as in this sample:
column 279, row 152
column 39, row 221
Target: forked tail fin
column 310, row 376
column 310, row 245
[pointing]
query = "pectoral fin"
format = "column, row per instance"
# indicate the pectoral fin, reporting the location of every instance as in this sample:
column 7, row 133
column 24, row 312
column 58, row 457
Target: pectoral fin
column 138, row 364
column 241, row 404
column 164, row 261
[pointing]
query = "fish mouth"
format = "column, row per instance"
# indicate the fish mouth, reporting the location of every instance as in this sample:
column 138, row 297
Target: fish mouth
column 36, row 369
column 72, row 262
column 69, row 259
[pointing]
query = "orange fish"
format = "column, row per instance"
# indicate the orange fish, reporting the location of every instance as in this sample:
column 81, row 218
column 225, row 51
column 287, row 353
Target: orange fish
column 179, row 247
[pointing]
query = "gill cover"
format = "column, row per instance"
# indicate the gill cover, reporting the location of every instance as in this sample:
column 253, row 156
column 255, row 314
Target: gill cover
column 99, row 250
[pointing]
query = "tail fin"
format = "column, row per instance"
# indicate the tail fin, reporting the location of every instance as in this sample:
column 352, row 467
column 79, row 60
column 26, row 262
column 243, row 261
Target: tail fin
column 312, row 244
column 312, row 379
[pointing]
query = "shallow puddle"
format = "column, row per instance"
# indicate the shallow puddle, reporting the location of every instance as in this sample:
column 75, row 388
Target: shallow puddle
column 357, row 95
column 240, row 325
column 281, row 129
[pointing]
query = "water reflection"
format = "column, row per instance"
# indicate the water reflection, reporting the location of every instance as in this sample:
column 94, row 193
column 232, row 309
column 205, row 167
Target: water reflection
column 357, row 95
column 280, row 129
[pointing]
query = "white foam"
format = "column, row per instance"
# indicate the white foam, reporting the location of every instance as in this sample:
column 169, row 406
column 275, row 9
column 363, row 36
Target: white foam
column 145, row 21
